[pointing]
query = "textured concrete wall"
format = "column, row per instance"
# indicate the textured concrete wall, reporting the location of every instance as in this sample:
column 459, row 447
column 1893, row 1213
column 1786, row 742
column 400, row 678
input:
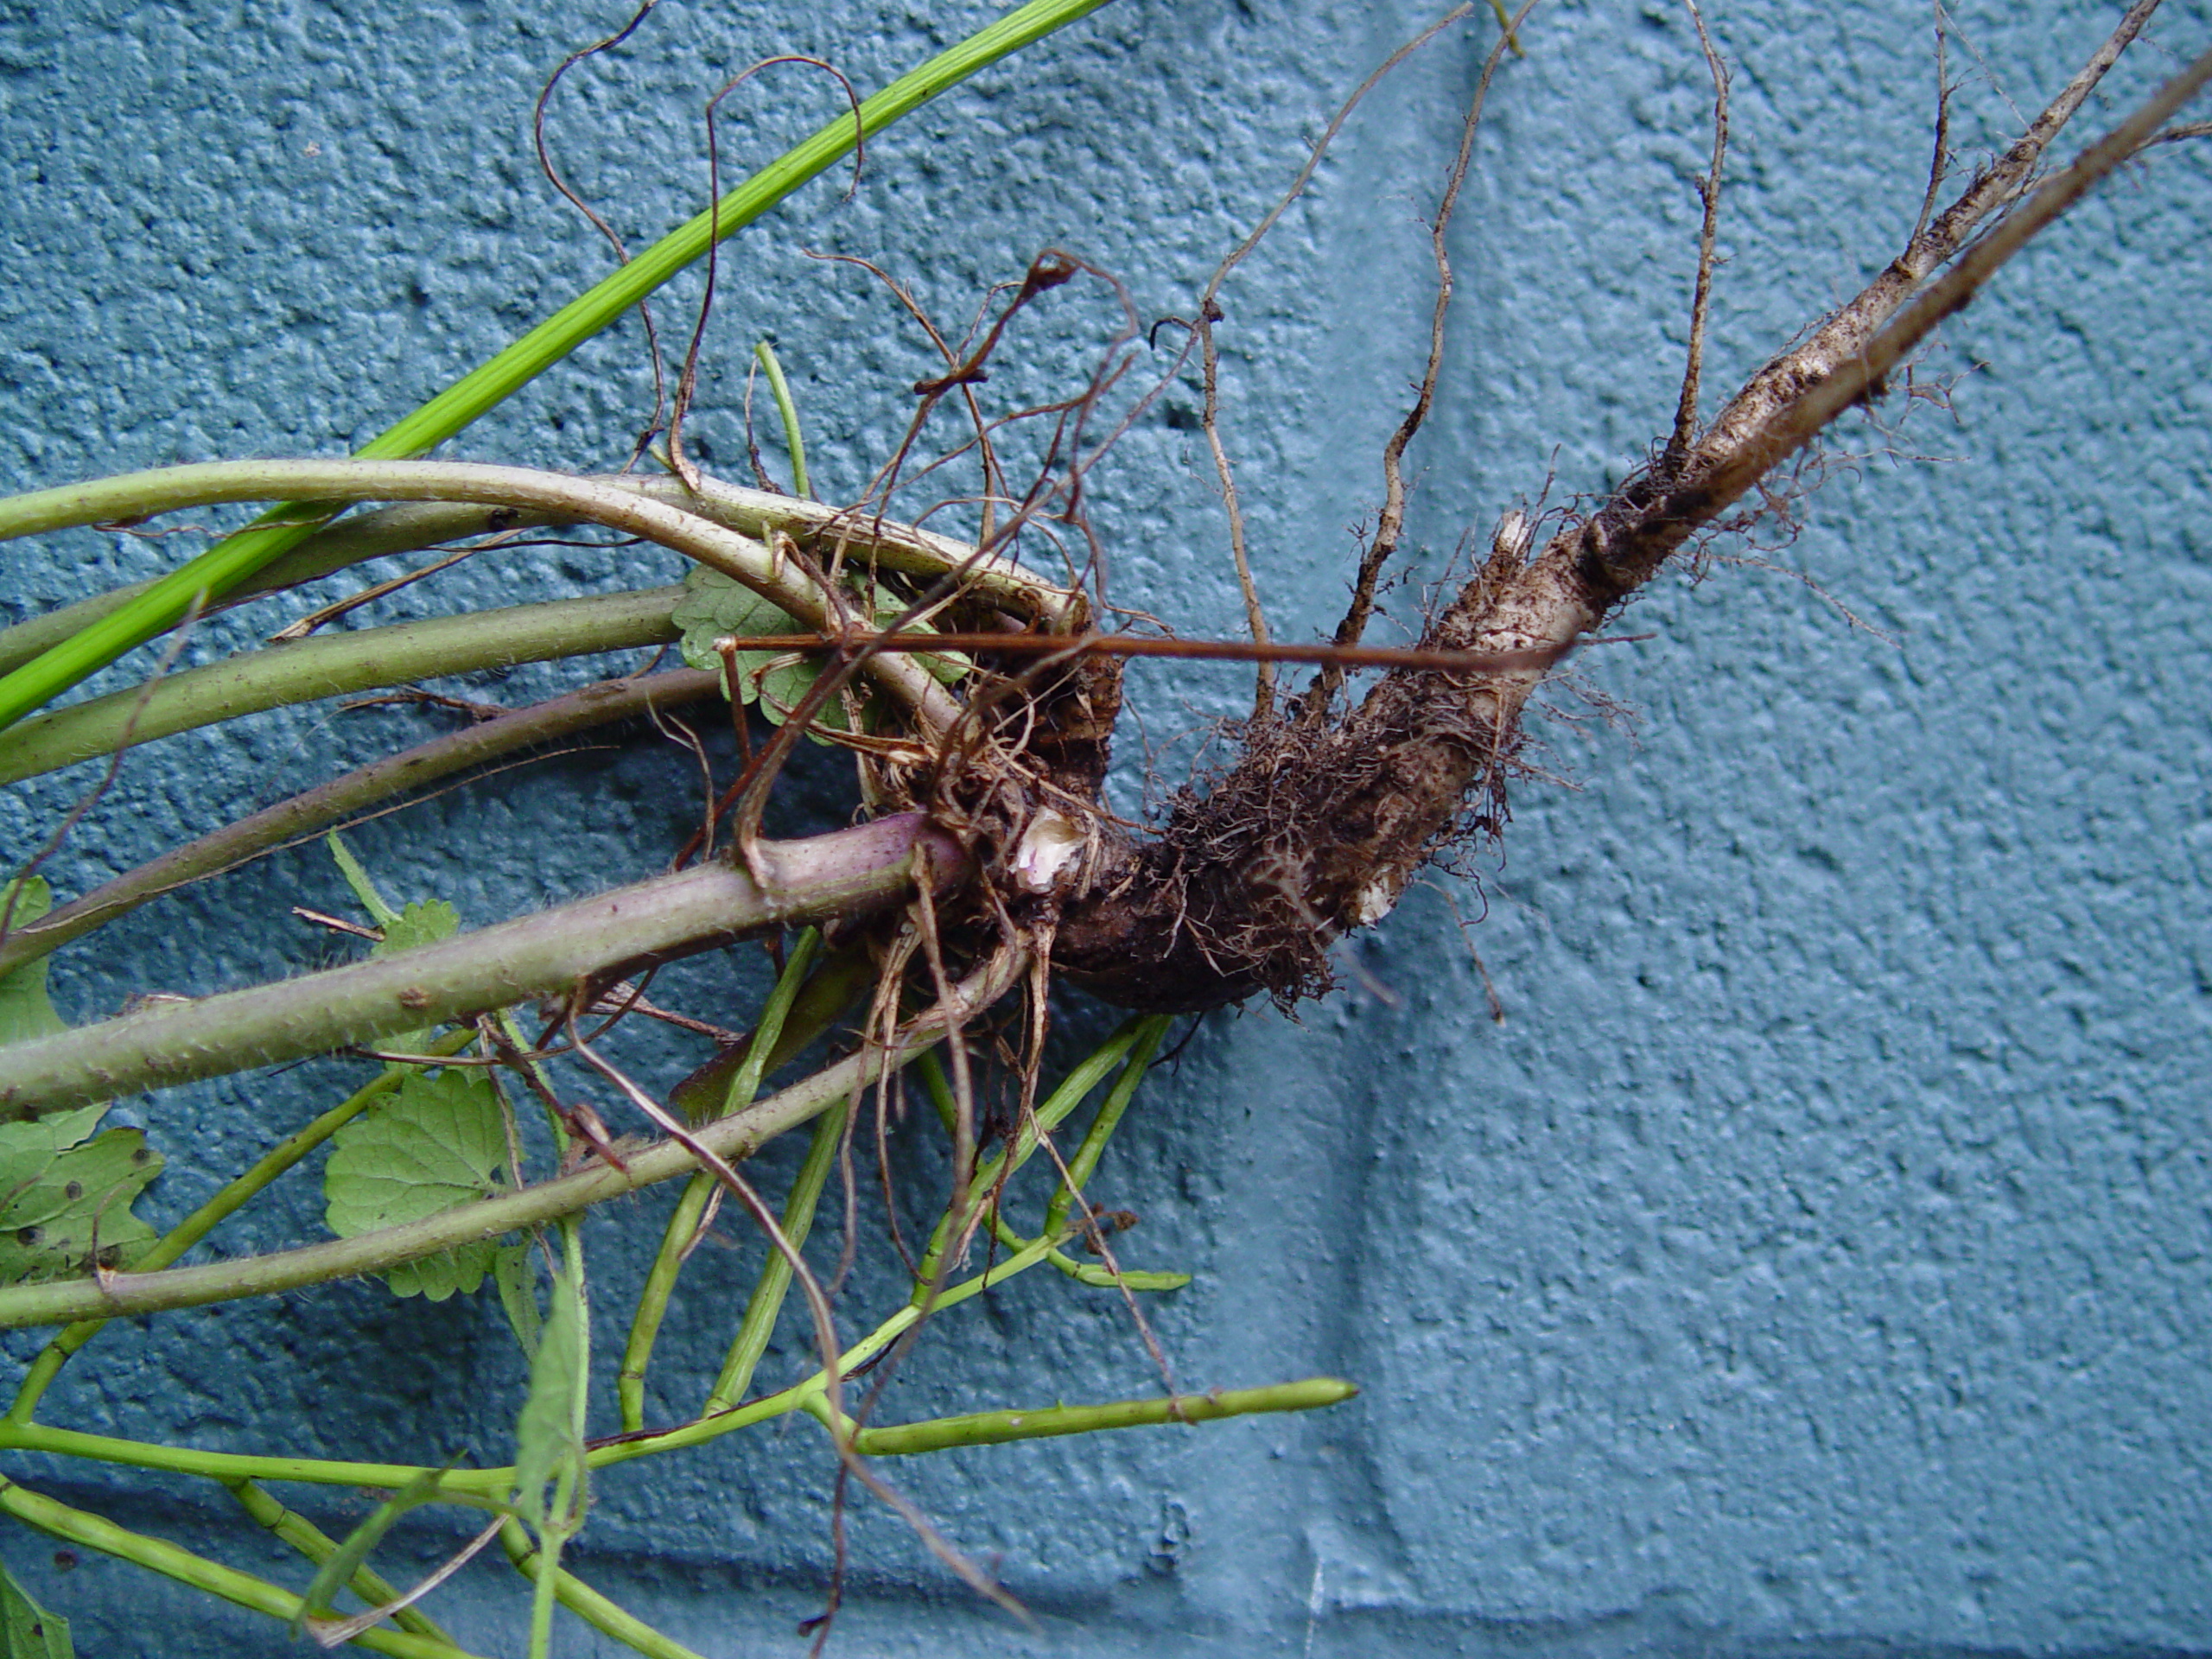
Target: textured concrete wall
column 1817, row 1257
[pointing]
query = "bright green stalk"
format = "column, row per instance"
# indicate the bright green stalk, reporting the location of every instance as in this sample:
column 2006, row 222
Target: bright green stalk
column 996, row 1427
column 1088, row 1273
column 808, row 1393
column 334, row 665
column 1048, row 1116
column 542, row 1589
column 320, row 1546
column 490, row 1487
column 97, row 1532
column 231, row 561
column 235, row 1466
column 587, row 1603
column 767, row 1300
column 485, row 1486
column 1149, row 1032
column 684, row 1222
column 787, row 411
column 228, row 1202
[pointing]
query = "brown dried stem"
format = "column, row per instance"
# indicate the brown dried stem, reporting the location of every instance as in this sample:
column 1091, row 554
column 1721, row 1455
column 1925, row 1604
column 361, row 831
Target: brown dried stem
column 1390, row 524
column 1708, row 191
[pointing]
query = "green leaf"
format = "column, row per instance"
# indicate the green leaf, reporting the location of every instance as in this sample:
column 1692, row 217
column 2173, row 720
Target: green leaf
column 25, row 1009
column 421, row 923
column 714, row 606
column 63, row 1196
column 358, row 878
column 27, row 1630
column 514, row 1269
column 433, row 1144
column 548, row 1443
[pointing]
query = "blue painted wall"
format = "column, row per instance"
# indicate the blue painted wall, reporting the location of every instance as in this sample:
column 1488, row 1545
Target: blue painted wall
column 1818, row 1259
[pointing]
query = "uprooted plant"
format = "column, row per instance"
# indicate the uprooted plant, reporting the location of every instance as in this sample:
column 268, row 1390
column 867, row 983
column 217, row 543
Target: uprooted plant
column 978, row 700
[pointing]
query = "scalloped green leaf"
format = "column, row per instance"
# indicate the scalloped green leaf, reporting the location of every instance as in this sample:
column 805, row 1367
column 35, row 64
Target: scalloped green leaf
column 419, row 923
column 715, row 605
column 423, row 922
column 26, row 1011
column 66, row 1195
column 433, row 1144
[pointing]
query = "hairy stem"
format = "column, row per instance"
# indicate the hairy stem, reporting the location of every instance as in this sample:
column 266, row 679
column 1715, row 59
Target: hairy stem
column 410, row 526
column 328, row 804
column 545, row 955
column 335, row 664
column 215, row 572
column 781, row 582
column 406, row 528
column 233, row 1196
column 735, row 1137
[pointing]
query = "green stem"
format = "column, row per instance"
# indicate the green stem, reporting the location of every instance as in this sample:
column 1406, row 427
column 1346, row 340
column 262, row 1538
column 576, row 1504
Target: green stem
column 996, row 1427
column 775, row 1282
column 97, row 1532
column 684, row 1222
column 406, row 528
column 334, row 665
column 809, row 1393
column 318, row 1546
column 696, row 536
column 412, row 526
column 490, row 1487
column 328, row 804
column 226, row 1466
column 846, row 873
column 1079, row 1082
column 833, row 988
column 232, row 1199
column 787, row 412
column 653, row 1300
column 542, row 1588
column 220, row 568
column 1089, row 1272
column 733, row 1139
column 1149, row 1032
column 586, row 1603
